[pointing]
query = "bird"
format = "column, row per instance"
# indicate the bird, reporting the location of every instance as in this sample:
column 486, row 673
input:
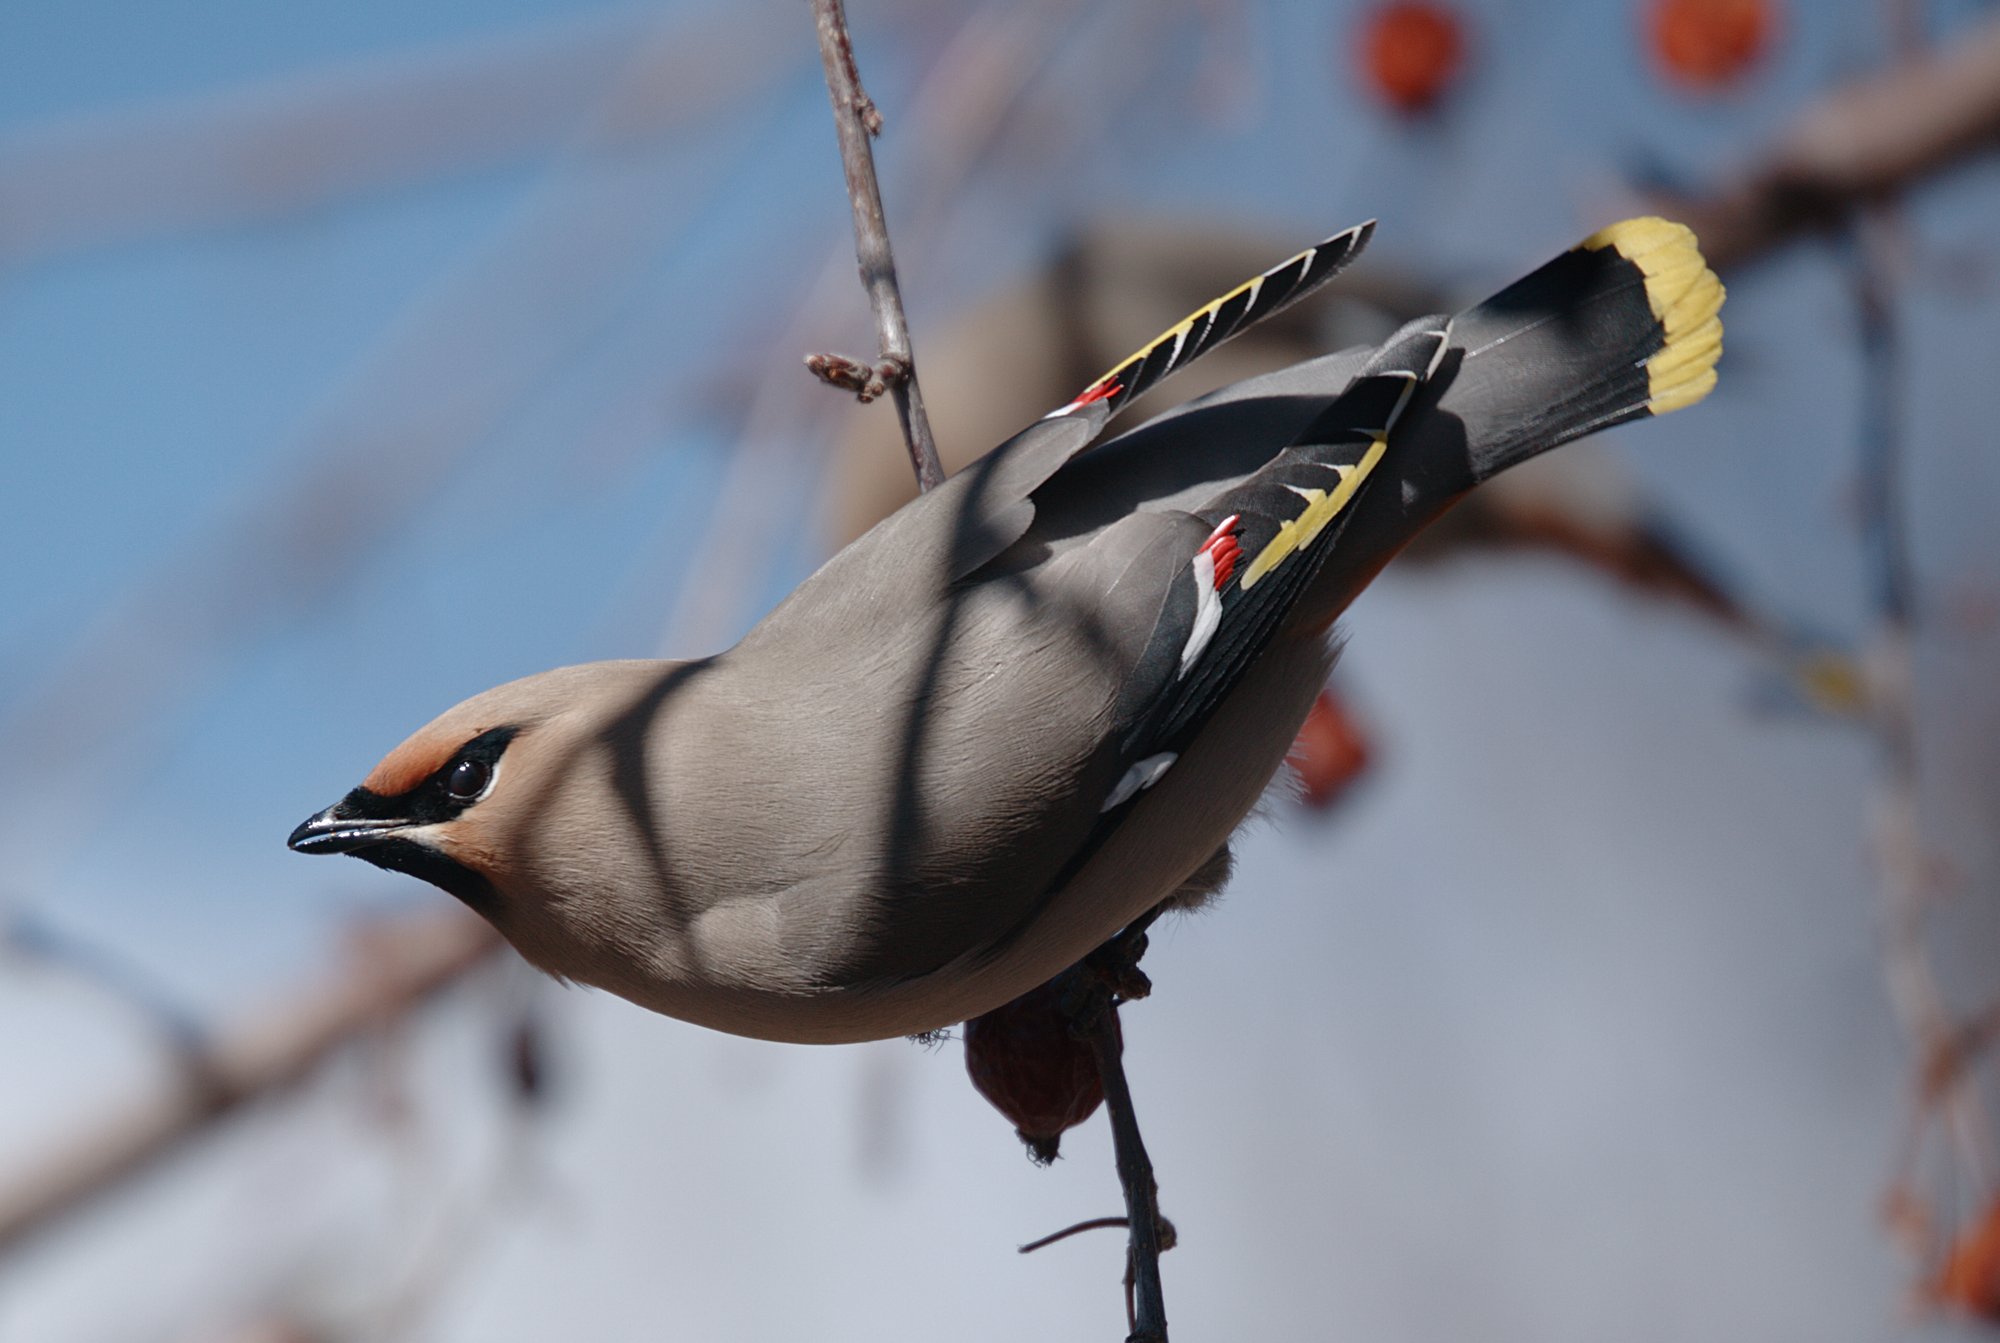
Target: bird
column 1030, row 708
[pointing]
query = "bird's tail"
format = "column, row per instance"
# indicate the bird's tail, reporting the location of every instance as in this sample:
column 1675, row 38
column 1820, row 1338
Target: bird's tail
column 1625, row 324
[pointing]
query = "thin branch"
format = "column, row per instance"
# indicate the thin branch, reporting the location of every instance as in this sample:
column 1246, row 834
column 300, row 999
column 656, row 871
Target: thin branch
column 1901, row 850
column 154, row 1005
column 1003, row 48
column 1108, row 976
column 1913, row 989
column 855, row 119
column 1142, row 1193
column 1094, row 1224
column 397, row 966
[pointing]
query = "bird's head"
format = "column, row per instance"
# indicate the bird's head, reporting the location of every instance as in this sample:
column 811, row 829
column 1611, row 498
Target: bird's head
column 522, row 802
column 422, row 809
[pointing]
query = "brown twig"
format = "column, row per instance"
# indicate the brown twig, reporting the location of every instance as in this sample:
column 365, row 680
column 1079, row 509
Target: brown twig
column 1108, row 976
column 1142, row 1192
column 866, row 381
column 1094, row 1224
column 1000, row 49
column 855, row 120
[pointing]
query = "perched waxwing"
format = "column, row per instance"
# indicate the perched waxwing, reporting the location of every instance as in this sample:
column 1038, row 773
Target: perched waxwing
column 1033, row 704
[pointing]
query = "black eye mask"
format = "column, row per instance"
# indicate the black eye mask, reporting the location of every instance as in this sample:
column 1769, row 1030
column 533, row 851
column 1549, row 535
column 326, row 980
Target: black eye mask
column 366, row 823
column 448, row 792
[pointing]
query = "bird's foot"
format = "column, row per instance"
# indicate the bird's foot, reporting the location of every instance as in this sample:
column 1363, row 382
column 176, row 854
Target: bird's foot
column 1116, row 963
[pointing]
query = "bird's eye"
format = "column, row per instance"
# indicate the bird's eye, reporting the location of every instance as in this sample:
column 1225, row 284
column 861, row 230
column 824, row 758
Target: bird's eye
column 469, row 779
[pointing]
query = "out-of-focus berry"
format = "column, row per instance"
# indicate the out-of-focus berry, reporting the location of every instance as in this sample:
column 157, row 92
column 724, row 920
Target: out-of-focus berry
column 1970, row 1278
column 1411, row 52
column 1329, row 754
column 1707, row 45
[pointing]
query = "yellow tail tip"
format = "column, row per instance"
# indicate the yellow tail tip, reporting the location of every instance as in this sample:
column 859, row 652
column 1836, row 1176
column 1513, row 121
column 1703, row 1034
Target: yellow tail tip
column 1686, row 298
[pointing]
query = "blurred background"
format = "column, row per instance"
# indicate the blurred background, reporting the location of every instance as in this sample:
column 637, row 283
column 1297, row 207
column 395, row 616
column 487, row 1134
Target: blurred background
column 1624, row 966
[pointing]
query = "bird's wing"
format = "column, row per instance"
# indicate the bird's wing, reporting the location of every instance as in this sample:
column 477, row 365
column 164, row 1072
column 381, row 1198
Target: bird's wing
column 1189, row 599
column 1259, row 545
column 1622, row 326
column 1007, row 477
column 941, row 537
column 1221, row 318
column 1193, row 595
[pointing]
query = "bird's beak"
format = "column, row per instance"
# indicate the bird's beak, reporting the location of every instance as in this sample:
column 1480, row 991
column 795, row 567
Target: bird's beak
column 347, row 825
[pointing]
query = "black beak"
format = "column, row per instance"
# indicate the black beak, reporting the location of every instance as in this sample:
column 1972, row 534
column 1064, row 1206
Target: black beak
column 343, row 828
column 386, row 831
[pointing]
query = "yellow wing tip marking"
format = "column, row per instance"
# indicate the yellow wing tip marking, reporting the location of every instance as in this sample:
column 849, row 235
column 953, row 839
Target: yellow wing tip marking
column 1321, row 508
column 1346, row 239
column 1686, row 298
column 1179, row 330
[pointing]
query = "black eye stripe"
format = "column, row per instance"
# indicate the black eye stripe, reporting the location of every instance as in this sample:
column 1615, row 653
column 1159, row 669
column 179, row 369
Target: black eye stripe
column 485, row 748
column 432, row 801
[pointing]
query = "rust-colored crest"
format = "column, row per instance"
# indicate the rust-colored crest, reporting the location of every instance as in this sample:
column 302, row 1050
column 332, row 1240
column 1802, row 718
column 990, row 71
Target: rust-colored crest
column 414, row 761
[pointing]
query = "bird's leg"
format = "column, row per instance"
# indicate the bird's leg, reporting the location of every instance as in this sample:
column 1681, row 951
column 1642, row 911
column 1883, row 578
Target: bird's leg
column 1108, row 976
column 1116, row 963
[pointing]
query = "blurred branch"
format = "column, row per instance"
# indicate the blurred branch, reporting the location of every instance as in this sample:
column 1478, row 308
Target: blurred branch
column 112, row 975
column 272, row 1328
column 1908, row 875
column 393, row 968
column 460, row 1232
column 308, row 141
column 1857, row 145
column 1912, row 987
column 855, row 120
